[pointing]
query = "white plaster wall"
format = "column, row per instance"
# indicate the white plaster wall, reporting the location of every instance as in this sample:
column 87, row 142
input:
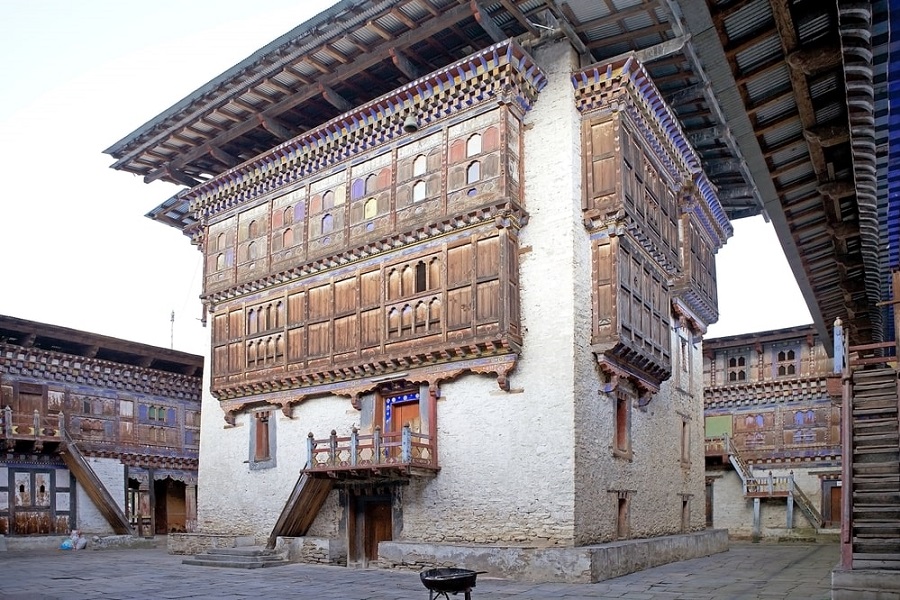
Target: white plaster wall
column 234, row 499
column 111, row 472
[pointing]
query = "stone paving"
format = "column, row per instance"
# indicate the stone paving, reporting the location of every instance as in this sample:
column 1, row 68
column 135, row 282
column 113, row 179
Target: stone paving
column 746, row 571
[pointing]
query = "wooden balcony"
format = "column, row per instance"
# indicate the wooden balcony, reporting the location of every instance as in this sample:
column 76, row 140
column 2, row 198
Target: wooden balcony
column 33, row 427
column 372, row 456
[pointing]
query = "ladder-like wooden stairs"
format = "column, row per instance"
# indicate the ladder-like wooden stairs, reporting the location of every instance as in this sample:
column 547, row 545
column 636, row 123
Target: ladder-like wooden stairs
column 875, row 507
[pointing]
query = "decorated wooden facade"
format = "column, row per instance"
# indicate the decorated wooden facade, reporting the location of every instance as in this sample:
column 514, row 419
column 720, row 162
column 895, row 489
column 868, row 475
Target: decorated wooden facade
column 92, row 420
column 359, row 250
column 654, row 220
column 772, row 400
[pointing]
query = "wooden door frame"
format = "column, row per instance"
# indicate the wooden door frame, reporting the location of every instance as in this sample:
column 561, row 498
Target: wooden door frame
column 358, row 500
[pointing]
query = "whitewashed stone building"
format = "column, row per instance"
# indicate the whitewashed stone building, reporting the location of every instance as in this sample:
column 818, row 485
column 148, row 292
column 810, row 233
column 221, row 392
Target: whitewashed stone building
column 464, row 314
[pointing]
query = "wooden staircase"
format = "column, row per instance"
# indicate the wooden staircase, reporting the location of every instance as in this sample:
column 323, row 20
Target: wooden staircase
column 771, row 487
column 874, row 532
column 301, row 508
column 95, row 489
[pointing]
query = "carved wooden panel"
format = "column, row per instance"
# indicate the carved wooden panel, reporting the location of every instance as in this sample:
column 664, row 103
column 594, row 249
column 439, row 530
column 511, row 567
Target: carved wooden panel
column 429, row 300
column 631, row 306
column 622, row 173
column 697, row 284
column 420, row 182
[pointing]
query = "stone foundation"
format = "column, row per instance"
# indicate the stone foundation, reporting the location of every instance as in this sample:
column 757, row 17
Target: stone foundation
column 583, row 564
column 197, row 543
column 865, row 584
column 312, row 550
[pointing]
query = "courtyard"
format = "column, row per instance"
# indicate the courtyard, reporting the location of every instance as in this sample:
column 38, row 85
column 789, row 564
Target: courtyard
column 746, row 571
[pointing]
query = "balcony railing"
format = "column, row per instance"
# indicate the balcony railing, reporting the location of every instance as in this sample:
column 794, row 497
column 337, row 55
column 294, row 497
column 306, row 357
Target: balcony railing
column 29, row 426
column 361, row 455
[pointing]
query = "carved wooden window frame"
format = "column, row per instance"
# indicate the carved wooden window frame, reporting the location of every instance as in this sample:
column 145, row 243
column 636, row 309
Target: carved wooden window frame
column 262, row 444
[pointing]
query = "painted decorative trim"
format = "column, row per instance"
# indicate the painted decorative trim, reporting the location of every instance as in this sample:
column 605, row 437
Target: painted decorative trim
column 53, row 367
column 295, row 390
column 501, row 72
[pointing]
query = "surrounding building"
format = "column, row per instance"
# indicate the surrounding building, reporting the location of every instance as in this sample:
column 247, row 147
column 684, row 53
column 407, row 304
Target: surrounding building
column 412, row 277
column 99, row 434
column 772, row 407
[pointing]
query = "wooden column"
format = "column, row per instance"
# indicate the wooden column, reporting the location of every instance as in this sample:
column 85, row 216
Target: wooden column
column 190, row 507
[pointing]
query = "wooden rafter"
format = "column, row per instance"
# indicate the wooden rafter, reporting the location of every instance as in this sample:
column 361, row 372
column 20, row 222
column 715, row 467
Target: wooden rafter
column 379, row 54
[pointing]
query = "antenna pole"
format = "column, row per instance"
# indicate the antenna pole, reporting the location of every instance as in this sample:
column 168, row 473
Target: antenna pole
column 172, row 332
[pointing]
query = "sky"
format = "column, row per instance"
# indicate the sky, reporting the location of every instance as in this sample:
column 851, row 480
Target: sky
column 75, row 247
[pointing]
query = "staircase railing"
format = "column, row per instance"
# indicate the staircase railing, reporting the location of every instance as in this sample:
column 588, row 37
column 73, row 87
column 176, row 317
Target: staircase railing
column 804, row 503
column 737, row 461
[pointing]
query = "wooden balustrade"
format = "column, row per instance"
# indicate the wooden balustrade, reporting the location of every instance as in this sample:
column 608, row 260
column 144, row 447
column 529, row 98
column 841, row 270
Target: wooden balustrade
column 29, row 426
column 363, row 454
column 769, row 486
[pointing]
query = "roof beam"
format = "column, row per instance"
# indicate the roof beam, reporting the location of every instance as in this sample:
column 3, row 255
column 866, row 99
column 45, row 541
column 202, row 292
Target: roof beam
column 404, row 64
column 334, row 99
column 584, row 52
column 271, row 125
column 687, row 93
column 224, row 157
column 362, row 63
column 519, row 16
column 661, row 50
column 486, row 22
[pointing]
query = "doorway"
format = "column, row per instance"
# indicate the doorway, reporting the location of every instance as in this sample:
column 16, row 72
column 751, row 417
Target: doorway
column 371, row 521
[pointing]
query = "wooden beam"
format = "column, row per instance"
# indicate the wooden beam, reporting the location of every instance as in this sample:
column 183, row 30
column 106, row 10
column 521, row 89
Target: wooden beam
column 403, row 18
column 661, row 50
column 271, row 125
column 519, row 16
column 687, row 93
column 404, row 64
column 379, row 54
column 334, row 99
column 384, row 33
column 486, row 22
column 630, row 36
column 583, row 51
column 223, row 157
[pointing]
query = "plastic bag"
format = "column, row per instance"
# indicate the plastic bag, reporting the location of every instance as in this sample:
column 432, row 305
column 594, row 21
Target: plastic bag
column 67, row 545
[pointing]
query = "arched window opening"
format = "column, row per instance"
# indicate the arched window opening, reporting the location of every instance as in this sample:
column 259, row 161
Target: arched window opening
column 357, row 189
column 327, row 223
column 473, row 172
column 421, row 281
column 371, row 208
column 419, row 165
column 287, row 238
column 253, row 229
column 252, row 251
column 220, row 262
column 251, row 321
column 328, row 200
column 288, row 215
column 394, row 285
column 419, row 191
column 473, row 145
column 790, row 355
column 220, row 241
column 371, row 183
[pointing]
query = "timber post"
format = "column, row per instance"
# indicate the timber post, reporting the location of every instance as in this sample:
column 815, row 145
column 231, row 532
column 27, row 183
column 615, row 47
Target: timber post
column 354, row 446
column 333, row 458
column 406, row 444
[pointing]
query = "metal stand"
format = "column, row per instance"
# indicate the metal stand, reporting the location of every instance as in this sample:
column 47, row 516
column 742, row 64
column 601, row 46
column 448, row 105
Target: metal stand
column 467, row 594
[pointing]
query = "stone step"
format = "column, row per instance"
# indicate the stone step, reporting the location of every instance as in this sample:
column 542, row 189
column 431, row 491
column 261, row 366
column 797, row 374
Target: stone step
column 245, row 557
column 204, row 561
column 243, row 551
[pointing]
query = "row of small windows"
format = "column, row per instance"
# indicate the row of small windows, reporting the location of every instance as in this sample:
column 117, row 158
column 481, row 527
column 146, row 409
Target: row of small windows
column 362, row 187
